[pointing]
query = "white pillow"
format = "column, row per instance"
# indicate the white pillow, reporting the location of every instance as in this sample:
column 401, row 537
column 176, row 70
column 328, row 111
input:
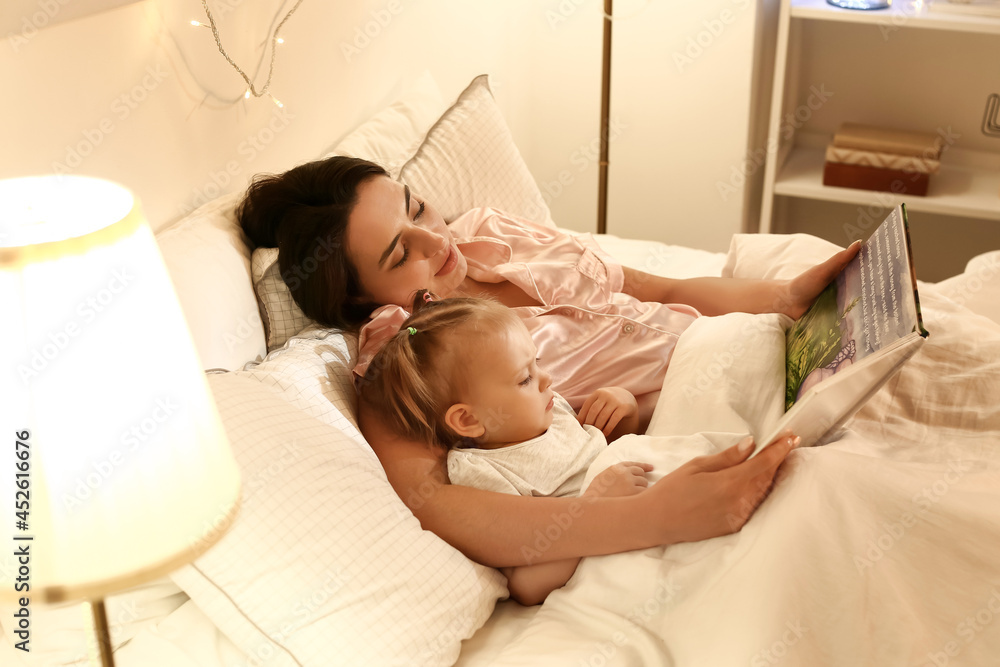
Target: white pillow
column 314, row 372
column 392, row 136
column 978, row 287
column 208, row 259
column 467, row 159
column 726, row 375
column 775, row 256
column 280, row 315
column 324, row 563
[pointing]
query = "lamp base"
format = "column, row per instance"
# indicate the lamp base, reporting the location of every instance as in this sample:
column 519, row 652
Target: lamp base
column 860, row 4
column 101, row 632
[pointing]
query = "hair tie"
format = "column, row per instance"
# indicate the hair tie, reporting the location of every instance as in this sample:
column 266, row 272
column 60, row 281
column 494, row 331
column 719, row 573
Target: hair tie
column 411, row 330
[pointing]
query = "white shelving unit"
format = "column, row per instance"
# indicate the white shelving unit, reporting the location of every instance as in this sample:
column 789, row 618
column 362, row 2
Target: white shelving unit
column 908, row 67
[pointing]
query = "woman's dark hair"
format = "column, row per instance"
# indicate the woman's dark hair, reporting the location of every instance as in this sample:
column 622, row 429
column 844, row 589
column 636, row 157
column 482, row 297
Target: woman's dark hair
column 303, row 213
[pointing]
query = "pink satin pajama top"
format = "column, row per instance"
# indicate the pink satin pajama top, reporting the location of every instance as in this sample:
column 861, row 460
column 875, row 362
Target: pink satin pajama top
column 589, row 333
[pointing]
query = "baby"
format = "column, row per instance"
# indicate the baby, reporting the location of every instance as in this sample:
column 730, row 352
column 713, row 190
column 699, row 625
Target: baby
column 463, row 372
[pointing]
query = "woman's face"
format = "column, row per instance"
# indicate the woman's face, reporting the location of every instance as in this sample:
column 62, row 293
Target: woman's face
column 399, row 244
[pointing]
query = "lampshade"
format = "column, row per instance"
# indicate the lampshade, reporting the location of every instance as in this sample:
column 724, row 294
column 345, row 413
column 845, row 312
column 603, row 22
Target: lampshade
column 125, row 472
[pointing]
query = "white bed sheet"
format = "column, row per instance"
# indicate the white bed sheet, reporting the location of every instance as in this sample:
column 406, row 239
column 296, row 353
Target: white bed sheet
column 186, row 638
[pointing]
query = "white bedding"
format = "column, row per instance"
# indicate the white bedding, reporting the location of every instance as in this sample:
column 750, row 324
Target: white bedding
column 878, row 549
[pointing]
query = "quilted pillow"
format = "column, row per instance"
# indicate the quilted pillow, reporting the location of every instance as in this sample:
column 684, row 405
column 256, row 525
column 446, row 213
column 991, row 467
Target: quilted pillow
column 281, row 316
column 467, row 159
column 314, row 372
column 324, row 564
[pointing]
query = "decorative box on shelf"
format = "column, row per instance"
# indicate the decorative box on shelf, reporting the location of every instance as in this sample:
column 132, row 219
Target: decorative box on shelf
column 882, row 159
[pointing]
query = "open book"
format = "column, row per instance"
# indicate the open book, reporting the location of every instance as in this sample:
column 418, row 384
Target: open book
column 857, row 334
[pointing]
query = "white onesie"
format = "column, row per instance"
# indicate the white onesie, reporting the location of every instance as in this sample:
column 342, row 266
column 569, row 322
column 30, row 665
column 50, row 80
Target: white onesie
column 552, row 464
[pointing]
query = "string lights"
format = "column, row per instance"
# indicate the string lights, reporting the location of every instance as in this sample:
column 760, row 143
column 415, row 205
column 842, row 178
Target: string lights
column 275, row 41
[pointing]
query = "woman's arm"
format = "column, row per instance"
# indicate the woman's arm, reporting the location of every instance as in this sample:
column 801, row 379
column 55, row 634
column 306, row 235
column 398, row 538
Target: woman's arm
column 706, row 497
column 715, row 296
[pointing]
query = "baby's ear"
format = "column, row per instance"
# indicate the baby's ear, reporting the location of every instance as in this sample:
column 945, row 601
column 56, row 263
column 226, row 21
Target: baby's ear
column 461, row 419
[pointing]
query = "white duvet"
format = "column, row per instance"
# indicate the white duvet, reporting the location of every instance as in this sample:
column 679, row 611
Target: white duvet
column 881, row 548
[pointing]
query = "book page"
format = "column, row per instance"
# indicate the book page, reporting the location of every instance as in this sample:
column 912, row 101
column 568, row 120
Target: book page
column 870, row 305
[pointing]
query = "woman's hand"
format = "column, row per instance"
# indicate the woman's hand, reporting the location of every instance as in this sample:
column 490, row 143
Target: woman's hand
column 793, row 297
column 622, row 479
column 717, row 296
column 613, row 410
column 715, row 495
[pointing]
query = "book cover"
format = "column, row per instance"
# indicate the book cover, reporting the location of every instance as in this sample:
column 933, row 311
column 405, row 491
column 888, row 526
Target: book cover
column 855, row 336
column 888, row 140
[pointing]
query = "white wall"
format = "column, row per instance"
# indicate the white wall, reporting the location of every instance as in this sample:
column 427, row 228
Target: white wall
column 136, row 95
column 688, row 108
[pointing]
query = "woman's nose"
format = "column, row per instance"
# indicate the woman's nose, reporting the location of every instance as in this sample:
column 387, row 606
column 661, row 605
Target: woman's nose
column 430, row 243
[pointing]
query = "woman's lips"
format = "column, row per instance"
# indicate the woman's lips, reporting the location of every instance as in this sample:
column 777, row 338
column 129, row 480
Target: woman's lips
column 449, row 263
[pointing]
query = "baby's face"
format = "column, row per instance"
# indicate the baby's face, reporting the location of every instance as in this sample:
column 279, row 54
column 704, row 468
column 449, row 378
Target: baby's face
column 509, row 394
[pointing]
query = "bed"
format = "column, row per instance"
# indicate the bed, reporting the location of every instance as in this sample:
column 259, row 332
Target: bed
column 880, row 548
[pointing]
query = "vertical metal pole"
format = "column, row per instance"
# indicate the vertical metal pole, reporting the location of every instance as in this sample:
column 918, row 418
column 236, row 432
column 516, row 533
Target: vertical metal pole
column 602, row 182
column 101, row 630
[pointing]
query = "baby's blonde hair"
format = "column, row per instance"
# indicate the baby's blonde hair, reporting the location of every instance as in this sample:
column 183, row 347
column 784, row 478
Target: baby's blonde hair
column 418, row 373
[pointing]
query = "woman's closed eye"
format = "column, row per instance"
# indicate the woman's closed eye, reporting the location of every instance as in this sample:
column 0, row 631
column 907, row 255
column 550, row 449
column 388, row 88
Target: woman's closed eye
column 401, row 262
column 406, row 251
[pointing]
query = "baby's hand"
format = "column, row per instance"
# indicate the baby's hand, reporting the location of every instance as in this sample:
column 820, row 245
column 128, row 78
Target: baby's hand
column 622, row 479
column 606, row 407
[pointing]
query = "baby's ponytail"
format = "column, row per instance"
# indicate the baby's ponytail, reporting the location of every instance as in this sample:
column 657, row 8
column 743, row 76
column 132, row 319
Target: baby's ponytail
column 399, row 383
column 417, row 375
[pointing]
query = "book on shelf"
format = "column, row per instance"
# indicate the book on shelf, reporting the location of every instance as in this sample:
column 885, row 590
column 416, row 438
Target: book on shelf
column 865, row 157
column 857, row 334
column 926, row 145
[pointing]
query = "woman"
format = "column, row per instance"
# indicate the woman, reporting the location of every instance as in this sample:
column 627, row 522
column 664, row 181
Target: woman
column 373, row 244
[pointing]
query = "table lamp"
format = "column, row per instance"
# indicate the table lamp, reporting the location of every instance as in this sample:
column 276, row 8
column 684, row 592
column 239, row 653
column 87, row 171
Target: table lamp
column 114, row 467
